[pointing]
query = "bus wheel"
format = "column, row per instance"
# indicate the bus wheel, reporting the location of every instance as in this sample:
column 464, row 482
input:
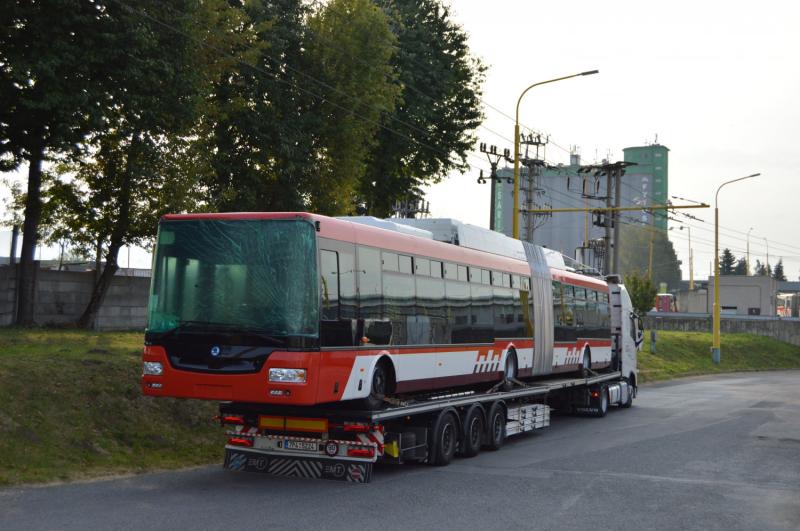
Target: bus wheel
column 511, row 370
column 586, row 365
column 445, row 439
column 379, row 385
column 495, row 427
column 472, row 436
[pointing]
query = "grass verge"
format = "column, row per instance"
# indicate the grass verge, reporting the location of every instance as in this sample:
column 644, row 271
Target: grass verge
column 71, row 407
column 689, row 354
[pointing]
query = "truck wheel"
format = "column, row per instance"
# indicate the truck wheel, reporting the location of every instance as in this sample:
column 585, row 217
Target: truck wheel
column 473, row 431
column 629, row 401
column 496, row 427
column 602, row 404
column 445, row 439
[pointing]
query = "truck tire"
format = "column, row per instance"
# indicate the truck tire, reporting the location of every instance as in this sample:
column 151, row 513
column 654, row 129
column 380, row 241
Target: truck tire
column 495, row 427
column 472, row 432
column 602, row 403
column 629, row 401
column 445, row 439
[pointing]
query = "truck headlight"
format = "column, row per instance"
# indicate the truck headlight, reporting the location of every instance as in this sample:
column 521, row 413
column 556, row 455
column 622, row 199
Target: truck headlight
column 287, row 375
column 153, row 368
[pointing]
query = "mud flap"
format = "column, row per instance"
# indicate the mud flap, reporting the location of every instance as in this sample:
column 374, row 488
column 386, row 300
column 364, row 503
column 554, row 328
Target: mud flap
column 299, row 467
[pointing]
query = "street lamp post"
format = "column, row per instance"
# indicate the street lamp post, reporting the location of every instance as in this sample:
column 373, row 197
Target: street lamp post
column 747, row 269
column 767, row 242
column 516, row 145
column 715, row 354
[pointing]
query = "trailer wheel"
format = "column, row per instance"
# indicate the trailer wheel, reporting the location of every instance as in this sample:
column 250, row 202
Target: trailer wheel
column 445, row 439
column 473, row 431
column 496, row 427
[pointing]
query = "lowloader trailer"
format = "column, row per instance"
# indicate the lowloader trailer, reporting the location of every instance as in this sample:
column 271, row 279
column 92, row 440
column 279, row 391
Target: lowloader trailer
column 339, row 444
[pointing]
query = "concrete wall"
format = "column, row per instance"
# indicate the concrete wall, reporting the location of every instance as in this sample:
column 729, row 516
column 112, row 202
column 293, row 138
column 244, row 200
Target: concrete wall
column 61, row 297
column 782, row 329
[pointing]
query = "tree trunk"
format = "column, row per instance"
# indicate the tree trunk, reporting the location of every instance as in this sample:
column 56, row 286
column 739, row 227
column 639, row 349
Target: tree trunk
column 26, row 282
column 89, row 316
column 118, row 234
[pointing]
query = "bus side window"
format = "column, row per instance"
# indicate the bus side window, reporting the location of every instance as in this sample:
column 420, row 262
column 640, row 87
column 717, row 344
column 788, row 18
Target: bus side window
column 329, row 278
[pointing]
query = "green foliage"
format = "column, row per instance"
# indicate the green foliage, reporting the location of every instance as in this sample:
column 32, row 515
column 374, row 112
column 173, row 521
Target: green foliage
column 635, row 254
column 741, row 267
column 438, row 109
column 357, row 94
column 762, row 270
column 727, row 262
column 642, row 292
column 778, row 274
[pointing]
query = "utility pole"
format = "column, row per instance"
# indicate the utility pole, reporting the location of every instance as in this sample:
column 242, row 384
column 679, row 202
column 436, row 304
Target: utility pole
column 494, row 159
column 617, row 171
column 532, row 190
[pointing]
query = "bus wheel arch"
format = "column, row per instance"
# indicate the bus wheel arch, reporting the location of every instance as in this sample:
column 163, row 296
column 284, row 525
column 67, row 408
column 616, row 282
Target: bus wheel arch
column 510, row 368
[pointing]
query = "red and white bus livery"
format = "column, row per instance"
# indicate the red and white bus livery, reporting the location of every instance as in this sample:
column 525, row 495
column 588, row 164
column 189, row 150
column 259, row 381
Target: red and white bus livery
column 302, row 309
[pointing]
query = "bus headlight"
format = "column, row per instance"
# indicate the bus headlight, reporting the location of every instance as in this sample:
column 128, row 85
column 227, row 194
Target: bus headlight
column 153, row 368
column 287, row 375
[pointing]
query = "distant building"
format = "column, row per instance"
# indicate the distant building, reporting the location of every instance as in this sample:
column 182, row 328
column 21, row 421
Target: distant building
column 738, row 295
column 565, row 186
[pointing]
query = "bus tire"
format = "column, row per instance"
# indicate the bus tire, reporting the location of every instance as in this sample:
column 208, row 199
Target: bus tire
column 445, row 439
column 586, row 364
column 511, row 370
column 495, row 427
column 379, row 386
column 472, row 432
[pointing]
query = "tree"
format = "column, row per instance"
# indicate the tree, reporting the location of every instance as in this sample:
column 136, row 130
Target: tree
column 727, row 262
column 357, row 94
column 140, row 164
column 51, row 90
column 641, row 290
column 430, row 131
column 778, row 274
column 635, row 256
column 741, row 267
column 760, row 269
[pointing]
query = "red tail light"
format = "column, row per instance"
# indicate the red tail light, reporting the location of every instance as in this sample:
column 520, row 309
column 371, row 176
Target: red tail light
column 595, row 394
column 358, row 428
column 361, row 452
column 232, row 419
column 238, row 441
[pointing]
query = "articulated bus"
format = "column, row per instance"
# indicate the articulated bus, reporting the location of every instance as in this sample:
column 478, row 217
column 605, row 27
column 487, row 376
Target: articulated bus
column 300, row 309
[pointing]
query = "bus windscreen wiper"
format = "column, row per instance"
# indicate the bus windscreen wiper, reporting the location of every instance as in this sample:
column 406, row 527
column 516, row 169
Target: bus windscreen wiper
column 225, row 328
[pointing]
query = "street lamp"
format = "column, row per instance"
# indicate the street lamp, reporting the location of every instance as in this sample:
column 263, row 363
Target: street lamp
column 515, row 225
column 715, row 339
column 747, row 269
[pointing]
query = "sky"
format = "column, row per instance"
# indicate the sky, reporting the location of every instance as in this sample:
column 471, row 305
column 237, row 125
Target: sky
column 716, row 82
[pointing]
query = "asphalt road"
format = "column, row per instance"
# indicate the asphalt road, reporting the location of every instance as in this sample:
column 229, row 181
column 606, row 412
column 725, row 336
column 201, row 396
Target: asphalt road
column 705, row 453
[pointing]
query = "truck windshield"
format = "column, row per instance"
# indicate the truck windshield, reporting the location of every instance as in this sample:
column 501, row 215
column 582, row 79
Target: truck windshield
column 256, row 276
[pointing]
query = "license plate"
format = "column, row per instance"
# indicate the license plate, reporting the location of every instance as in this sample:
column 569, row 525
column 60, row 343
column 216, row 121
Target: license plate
column 304, row 446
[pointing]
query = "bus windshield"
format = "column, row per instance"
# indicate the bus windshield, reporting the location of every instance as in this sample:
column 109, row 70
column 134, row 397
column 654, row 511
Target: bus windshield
column 220, row 274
